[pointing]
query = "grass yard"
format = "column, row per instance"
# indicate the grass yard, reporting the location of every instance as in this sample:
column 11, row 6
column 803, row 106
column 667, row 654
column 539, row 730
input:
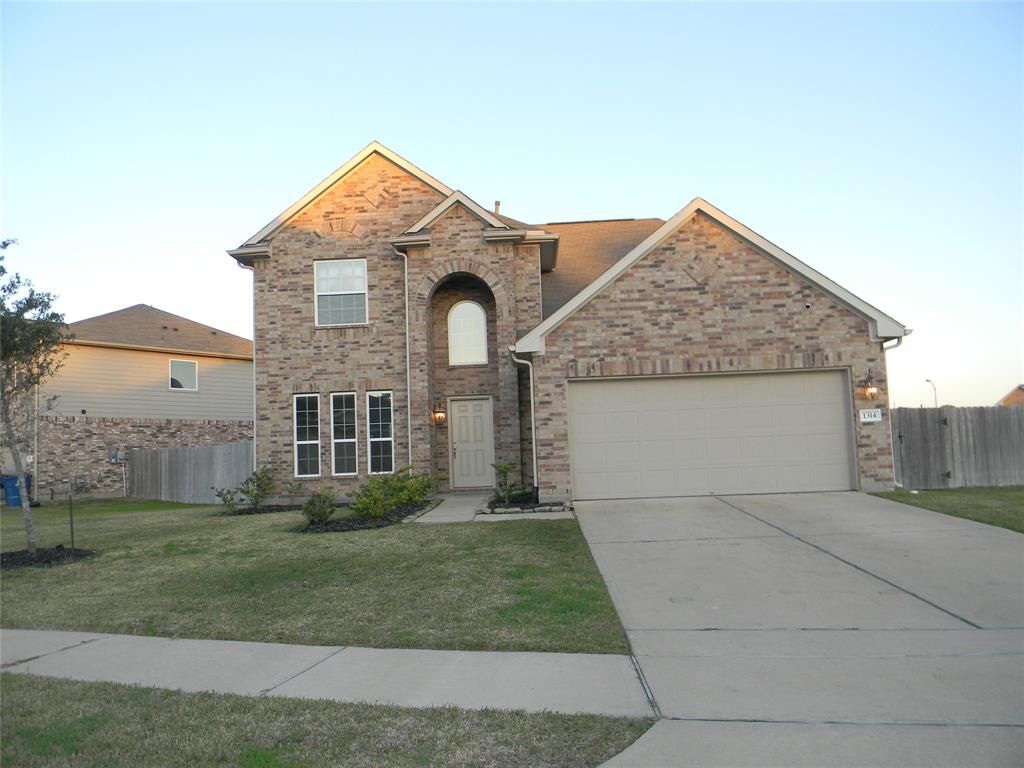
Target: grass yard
column 996, row 506
column 60, row 722
column 181, row 571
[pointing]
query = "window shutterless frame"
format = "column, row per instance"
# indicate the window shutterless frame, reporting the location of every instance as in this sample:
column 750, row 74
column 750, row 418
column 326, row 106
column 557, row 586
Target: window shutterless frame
column 306, row 434
column 380, row 420
column 322, row 287
column 343, row 433
column 467, row 334
column 170, row 375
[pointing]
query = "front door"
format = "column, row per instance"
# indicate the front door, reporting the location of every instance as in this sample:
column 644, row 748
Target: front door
column 472, row 442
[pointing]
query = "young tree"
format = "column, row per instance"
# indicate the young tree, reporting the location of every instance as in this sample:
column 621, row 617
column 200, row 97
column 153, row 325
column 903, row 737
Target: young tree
column 31, row 335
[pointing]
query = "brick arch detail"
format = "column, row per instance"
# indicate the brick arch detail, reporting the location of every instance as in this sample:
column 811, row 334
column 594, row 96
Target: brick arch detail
column 429, row 282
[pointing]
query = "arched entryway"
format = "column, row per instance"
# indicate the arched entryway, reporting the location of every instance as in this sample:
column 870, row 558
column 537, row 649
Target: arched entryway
column 463, row 380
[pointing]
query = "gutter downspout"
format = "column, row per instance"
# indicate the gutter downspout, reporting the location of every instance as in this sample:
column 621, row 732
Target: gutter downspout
column 252, row 269
column 533, row 417
column 408, row 366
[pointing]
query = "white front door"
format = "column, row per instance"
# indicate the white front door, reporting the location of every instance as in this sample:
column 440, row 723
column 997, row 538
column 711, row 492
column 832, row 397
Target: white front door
column 471, row 442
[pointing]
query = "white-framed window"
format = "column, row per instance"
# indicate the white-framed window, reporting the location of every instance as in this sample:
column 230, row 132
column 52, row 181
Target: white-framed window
column 379, row 433
column 344, row 455
column 467, row 334
column 184, row 375
column 340, row 288
column 307, row 435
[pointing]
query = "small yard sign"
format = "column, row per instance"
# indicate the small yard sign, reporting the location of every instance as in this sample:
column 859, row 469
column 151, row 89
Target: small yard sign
column 870, row 414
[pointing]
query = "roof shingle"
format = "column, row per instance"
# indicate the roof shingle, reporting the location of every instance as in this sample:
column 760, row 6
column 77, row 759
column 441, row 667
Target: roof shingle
column 586, row 249
column 148, row 327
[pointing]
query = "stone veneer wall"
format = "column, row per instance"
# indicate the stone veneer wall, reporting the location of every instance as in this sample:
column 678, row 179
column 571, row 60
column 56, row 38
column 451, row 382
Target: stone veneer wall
column 78, row 447
column 705, row 301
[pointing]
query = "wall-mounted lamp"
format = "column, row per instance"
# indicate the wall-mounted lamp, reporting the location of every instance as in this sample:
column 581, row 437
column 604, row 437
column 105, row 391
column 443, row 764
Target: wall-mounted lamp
column 438, row 415
column 870, row 389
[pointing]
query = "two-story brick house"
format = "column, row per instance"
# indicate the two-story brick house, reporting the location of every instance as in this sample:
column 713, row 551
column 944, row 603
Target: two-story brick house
column 399, row 323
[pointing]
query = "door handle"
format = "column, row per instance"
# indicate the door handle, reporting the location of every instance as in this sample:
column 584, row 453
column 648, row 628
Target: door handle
column 455, row 450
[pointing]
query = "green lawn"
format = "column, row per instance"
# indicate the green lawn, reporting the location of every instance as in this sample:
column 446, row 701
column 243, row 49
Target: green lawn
column 189, row 572
column 996, row 506
column 59, row 722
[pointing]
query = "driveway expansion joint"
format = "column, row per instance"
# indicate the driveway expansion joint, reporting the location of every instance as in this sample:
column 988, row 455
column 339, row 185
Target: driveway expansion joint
column 893, row 723
column 852, row 565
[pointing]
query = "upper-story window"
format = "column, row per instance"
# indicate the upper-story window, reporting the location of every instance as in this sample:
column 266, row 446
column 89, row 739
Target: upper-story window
column 467, row 334
column 184, row 374
column 340, row 288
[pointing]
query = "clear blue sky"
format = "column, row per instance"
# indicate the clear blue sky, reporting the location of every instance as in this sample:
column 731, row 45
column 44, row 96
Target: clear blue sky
column 880, row 143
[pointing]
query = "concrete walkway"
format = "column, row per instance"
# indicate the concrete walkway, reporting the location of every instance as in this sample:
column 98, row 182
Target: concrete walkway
column 830, row 629
column 572, row 683
column 459, row 508
column 455, row 508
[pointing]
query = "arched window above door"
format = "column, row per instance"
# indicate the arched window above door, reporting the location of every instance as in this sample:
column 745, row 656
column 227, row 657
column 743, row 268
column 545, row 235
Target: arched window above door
column 467, row 334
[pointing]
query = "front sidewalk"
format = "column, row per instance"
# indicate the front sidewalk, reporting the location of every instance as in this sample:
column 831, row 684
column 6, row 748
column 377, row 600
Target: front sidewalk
column 571, row 683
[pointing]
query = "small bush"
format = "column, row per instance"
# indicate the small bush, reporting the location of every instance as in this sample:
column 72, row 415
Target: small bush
column 228, row 498
column 382, row 495
column 257, row 487
column 293, row 490
column 319, row 507
column 505, row 489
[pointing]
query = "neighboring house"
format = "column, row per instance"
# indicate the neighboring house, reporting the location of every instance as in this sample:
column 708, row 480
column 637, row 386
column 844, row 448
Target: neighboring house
column 398, row 322
column 1014, row 397
column 139, row 378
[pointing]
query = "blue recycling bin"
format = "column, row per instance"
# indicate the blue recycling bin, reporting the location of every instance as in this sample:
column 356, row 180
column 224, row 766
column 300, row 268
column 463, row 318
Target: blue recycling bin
column 12, row 498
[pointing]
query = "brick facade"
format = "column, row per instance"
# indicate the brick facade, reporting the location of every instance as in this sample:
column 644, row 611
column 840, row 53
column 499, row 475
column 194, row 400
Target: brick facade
column 704, row 301
column 79, row 446
column 355, row 218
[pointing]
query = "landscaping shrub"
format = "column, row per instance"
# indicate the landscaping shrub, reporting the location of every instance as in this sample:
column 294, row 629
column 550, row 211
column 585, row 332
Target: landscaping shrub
column 257, row 487
column 506, row 490
column 384, row 494
column 319, row 507
column 228, row 497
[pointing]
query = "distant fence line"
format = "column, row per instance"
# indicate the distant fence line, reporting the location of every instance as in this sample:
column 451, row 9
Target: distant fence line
column 187, row 474
column 958, row 447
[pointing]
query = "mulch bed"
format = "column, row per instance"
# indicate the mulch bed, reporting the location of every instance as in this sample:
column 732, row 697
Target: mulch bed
column 266, row 508
column 58, row 555
column 363, row 522
column 523, row 506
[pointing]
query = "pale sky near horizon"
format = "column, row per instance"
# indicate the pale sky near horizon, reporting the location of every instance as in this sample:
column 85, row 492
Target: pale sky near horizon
column 881, row 144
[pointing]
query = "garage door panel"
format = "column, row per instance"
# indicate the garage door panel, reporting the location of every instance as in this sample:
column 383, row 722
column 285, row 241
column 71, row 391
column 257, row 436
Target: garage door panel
column 735, row 433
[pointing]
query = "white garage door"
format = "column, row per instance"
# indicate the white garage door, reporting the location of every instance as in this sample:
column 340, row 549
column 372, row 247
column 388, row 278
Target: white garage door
column 695, row 435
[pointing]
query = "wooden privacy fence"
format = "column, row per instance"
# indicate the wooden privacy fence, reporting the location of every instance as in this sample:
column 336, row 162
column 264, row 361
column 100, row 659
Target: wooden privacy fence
column 187, row 474
column 958, row 447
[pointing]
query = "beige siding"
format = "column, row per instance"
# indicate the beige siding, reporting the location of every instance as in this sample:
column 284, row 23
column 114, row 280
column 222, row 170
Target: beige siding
column 134, row 384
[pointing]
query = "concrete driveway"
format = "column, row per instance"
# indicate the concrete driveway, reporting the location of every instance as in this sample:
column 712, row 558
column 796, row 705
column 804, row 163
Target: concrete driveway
column 817, row 629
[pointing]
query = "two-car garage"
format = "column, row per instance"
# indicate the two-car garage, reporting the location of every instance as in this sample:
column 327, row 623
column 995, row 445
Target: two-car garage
column 711, row 434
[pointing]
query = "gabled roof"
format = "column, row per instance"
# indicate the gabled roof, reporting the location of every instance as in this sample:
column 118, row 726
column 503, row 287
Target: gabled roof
column 586, row 249
column 457, row 198
column 323, row 186
column 1014, row 397
column 144, row 327
column 882, row 326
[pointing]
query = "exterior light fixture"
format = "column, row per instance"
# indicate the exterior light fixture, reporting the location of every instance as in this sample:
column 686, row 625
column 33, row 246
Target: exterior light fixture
column 870, row 389
column 438, row 415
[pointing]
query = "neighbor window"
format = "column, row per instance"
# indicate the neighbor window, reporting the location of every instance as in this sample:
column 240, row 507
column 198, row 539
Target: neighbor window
column 343, row 433
column 467, row 334
column 184, row 374
column 340, row 288
column 307, row 435
column 379, row 433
